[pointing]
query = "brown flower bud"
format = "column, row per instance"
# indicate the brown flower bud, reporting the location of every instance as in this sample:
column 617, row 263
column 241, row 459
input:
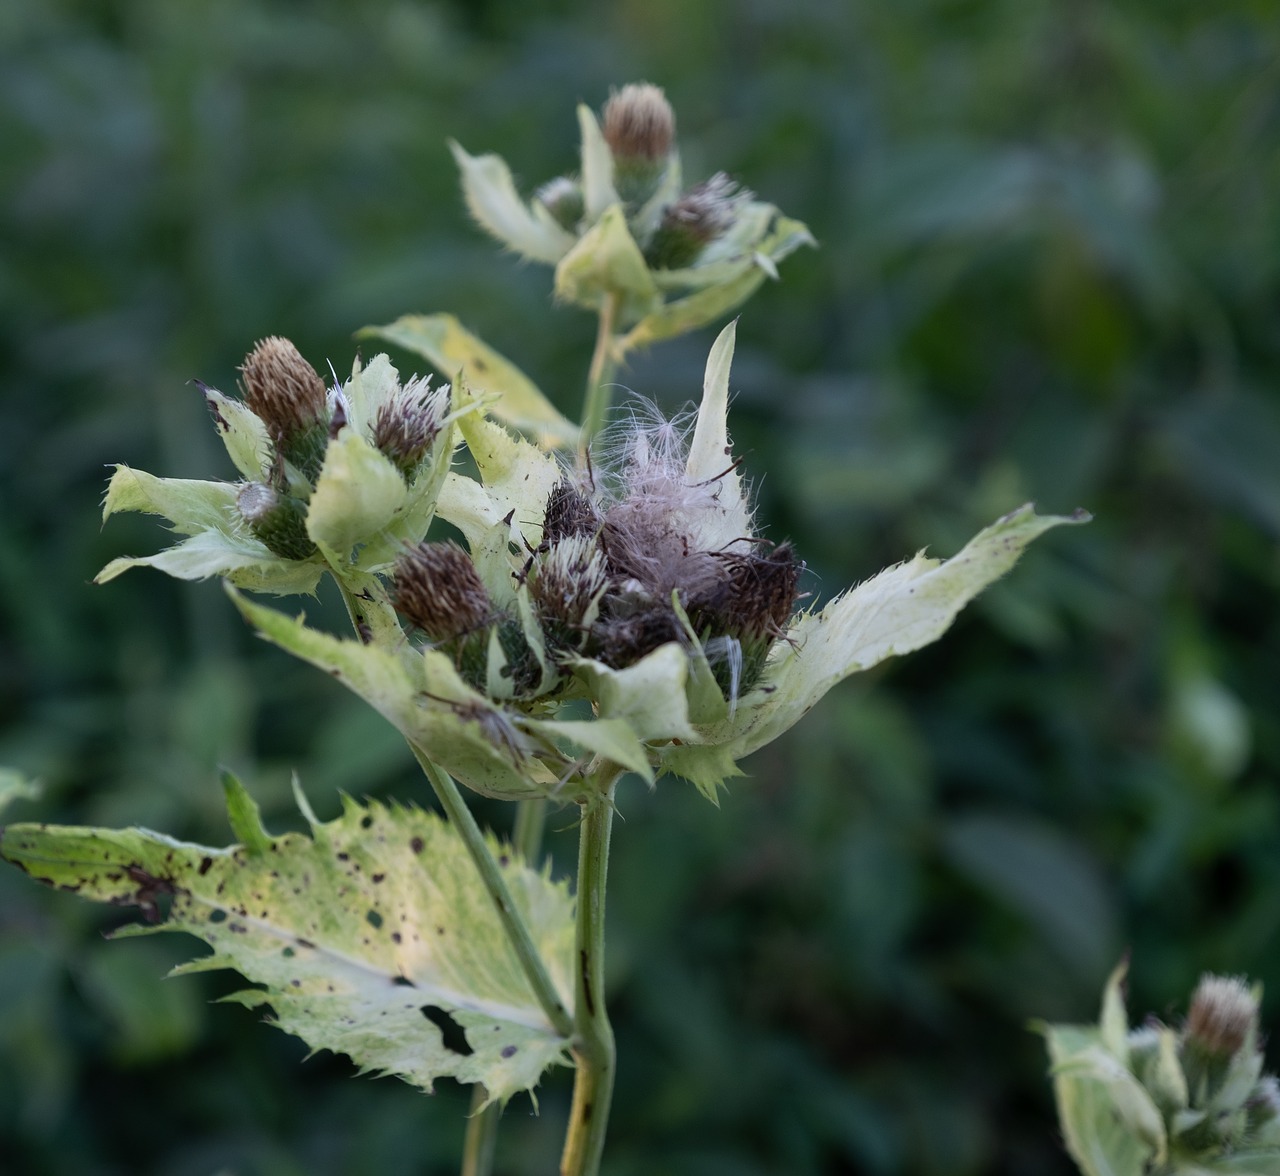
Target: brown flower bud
column 279, row 521
column 569, row 512
column 437, row 587
column 640, row 128
column 283, row 390
column 1223, row 1016
column 566, row 586
column 639, row 123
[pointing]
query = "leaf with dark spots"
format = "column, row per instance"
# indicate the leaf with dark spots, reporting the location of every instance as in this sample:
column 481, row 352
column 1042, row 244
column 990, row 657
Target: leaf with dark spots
column 452, row 1034
column 304, row 929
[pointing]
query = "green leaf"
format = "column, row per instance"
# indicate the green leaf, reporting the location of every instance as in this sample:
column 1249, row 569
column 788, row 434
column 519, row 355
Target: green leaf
column 15, row 786
column 373, row 938
column 649, row 696
column 505, row 390
column 421, row 693
column 358, row 493
column 607, row 261
column 1110, row 1124
column 719, row 287
column 896, row 612
column 611, row 739
column 492, row 199
column 598, row 191
column 705, row 767
column 243, row 434
column 242, row 560
column 191, row 506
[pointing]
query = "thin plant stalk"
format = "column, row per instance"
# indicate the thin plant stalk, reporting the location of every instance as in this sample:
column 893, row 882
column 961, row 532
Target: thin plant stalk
column 464, row 823
column 482, row 1135
column 604, row 362
column 594, row 1051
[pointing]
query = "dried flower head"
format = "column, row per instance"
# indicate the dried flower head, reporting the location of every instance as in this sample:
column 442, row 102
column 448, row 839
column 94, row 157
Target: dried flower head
column 278, row 520
column 284, row 391
column 408, row 423
column 436, row 586
column 1223, row 1015
column 639, row 123
column 703, row 214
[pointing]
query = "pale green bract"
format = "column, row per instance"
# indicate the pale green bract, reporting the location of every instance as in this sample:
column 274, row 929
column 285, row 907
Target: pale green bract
column 373, row 937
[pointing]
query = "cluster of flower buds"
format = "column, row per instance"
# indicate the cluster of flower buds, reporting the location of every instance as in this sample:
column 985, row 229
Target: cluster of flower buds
column 628, row 560
column 332, row 477
column 1181, row 1100
column 624, row 227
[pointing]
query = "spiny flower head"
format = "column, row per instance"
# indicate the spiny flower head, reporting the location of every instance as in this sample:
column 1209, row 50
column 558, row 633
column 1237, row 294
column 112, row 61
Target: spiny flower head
column 285, row 392
column 638, row 123
column 702, row 215
column 407, row 423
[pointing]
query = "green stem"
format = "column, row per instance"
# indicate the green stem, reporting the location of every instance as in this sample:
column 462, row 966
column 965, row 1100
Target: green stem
column 464, row 823
column 531, row 816
column 604, row 362
column 482, row 1135
column 593, row 1047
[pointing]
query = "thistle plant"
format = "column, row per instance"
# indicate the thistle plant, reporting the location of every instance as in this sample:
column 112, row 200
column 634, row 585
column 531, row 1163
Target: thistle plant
column 614, row 609
column 1162, row 1100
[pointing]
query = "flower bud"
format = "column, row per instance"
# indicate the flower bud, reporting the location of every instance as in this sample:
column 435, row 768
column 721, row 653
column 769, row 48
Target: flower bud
column 640, row 128
column 1223, row 1016
column 408, row 423
column 705, row 212
column 566, row 586
column 1219, row 1041
column 562, row 197
column 278, row 520
column 283, row 390
column 437, row 587
column 569, row 512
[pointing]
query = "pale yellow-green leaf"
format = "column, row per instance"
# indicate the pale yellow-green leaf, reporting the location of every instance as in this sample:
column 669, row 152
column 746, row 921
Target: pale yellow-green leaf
column 421, row 694
column 1108, row 1121
column 464, row 504
column 242, row 559
column 357, row 937
column 504, row 389
column 893, row 613
column 370, row 387
column 705, row 767
column 491, row 198
column 190, row 506
column 649, row 695
column 358, row 493
column 611, row 739
column 1114, row 1021
column 243, row 434
column 606, row 261
column 711, row 459
column 518, row 477
column 598, row 192
column 16, row 786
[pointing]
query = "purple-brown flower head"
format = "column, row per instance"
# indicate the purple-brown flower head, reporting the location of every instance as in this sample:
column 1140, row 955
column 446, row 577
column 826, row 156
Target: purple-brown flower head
column 704, row 213
column 437, row 587
column 284, row 391
column 407, row 425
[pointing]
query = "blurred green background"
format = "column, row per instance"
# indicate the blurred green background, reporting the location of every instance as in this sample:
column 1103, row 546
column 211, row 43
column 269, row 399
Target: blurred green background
column 1050, row 270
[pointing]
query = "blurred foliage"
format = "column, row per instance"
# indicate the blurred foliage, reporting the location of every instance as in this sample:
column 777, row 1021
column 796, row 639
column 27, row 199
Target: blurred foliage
column 1050, row 269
